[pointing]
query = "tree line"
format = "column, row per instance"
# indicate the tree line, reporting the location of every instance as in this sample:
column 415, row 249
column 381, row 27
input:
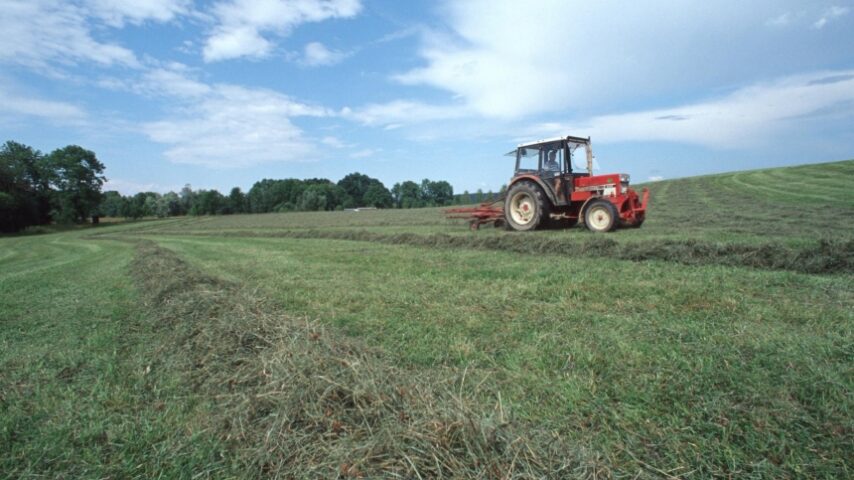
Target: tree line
column 35, row 188
column 281, row 195
column 65, row 185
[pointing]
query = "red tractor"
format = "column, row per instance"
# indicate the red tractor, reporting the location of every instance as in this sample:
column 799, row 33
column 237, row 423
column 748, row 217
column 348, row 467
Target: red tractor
column 546, row 191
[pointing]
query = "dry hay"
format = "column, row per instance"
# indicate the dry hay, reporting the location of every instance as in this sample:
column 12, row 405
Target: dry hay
column 297, row 400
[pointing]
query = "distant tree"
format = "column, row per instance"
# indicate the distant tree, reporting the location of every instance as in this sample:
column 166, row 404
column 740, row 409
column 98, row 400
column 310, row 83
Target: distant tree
column 377, row 196
column 313, row 198
column 466, row 198
column 479, row 195
column 407, row 195
column 150, row 205
column 356, row 187
column 25, row 194
column 269, row 195
column 236, row 201
column 77, row 177
column 208, row 202
column 188, row 198
column 442, row 193
column 111, row 204
column 169, row 205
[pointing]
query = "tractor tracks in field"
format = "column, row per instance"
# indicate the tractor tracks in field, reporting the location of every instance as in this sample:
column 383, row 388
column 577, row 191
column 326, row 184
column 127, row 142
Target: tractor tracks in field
column 825, row 256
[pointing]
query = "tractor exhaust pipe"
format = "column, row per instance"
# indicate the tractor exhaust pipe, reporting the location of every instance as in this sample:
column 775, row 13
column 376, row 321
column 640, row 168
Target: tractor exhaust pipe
column 589, row 157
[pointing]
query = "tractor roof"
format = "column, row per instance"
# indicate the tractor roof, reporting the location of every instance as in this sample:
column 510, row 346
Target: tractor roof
column 568, row 138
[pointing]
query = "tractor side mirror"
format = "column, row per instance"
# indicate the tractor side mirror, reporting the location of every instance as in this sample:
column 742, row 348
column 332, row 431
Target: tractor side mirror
column 523, row 152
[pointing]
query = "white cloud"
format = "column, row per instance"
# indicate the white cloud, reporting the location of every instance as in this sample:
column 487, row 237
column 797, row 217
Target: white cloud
column 392, row 115
column 16, row 102
column 782, row 20
column 241, row 24
column 828, row 15
column 43, row 34
column 228, row 126
column 655, row 178
column 749, row 116
column 526, row 58
column 116, row 12
column 365, row 153
column 316, row 54
column 127, row 187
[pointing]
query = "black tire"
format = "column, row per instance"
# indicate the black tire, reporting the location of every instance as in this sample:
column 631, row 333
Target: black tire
column 600, row 216
column 525, row 207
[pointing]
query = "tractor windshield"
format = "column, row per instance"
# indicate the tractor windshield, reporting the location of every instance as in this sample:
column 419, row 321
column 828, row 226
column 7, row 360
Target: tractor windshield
column 545, row 157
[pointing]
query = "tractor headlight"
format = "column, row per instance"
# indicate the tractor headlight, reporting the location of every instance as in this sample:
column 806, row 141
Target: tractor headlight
column 624, row 178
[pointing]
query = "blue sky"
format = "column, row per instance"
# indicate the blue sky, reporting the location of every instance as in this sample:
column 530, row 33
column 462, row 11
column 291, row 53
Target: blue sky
column 224, row 93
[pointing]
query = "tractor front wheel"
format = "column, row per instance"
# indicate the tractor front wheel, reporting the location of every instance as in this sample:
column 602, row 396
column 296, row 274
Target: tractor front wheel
column 525, row 206
column 600, row 216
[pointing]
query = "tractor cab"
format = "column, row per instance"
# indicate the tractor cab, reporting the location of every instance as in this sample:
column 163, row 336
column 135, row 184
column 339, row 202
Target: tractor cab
column 553, row 157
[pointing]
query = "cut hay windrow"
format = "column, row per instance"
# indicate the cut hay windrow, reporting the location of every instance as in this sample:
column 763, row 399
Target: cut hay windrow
column 298, row 401
column 824, row 256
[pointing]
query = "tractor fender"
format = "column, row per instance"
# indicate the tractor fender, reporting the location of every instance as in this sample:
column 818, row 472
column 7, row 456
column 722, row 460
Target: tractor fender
column 546, row 188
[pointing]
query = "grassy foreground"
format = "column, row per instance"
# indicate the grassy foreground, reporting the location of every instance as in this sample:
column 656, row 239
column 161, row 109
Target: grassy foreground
column 397, row 344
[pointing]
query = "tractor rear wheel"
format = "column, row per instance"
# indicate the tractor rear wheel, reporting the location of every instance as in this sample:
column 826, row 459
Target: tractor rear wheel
column 525, row 206
column 600, row 216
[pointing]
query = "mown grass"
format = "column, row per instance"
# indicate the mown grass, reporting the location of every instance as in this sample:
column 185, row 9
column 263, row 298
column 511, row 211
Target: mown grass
column 396, row 343
column 788, row 218
column 78, row 398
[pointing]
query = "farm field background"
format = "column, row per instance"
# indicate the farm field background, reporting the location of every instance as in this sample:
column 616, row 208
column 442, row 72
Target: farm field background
column 716, row 340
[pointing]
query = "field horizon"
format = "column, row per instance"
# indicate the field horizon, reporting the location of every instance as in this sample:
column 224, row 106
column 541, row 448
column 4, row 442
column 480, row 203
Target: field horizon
column 715, row 341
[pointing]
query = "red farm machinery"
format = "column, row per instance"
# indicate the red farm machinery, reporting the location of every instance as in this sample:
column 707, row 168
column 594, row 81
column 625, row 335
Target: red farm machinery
column 545, row 191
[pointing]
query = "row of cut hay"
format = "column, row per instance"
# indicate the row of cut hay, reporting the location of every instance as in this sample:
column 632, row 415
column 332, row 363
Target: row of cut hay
column 824, row 256
column 297, row 401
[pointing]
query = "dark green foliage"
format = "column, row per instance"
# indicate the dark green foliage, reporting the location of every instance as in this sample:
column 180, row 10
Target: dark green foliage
column 313, row 198
column 25, row 192
column 377, row 196
column 77, row 177
column 112, row 203
column 237, row 201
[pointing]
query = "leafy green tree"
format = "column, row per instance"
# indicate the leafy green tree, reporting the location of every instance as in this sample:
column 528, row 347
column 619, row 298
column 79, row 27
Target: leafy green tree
column 236, row 201
column 313, row 198
column 269, row 195
column 77, row 177
column 408, row 195
column 25, row 192
column 169, row 205
column 208, row 202
column 111, row 204
column 377, row 196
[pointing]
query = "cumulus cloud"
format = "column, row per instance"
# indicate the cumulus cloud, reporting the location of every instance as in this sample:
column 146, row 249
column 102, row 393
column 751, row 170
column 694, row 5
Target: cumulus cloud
column 41, row 34
column 227, row 126
column 242, row 24
column 316, row 54
column 527, row 58
column 749, row 116
column 46, row 35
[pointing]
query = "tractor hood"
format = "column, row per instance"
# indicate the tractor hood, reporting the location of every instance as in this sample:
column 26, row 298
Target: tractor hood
column 606, row 179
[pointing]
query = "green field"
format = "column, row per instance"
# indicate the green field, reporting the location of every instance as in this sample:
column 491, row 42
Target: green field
column 715, row 341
